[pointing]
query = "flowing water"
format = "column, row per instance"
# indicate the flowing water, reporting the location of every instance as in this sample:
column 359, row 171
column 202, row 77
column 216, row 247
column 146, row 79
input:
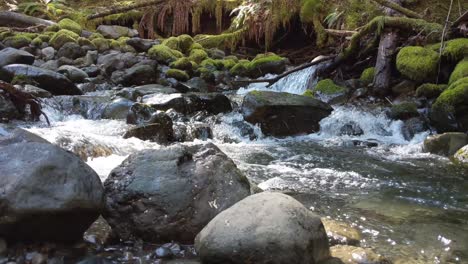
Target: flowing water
column 408, row 204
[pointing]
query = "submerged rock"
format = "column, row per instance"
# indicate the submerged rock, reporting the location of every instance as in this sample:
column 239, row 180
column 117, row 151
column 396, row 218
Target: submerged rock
column 167, row 194
column 284, row 114
column 341, row 233
column 461, row 157
column 445, row 144
column 264, row 228
column 355, row 255
column 48, row 194
column 53, row 82
column 15, row 56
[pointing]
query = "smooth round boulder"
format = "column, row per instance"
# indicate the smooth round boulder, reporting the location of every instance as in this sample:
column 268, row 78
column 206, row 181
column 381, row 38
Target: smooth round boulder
column 48, row 194
column 170, row 194
column 264, row 228
column 284, row 114
column 13, row 56
column 446, row 144
column 71, row 50
column 73, row 73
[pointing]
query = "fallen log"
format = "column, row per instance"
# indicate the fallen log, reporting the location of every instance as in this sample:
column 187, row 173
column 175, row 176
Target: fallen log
column 397, row 7
column 271, row 81
column 12, row 19
column 340, row 33
column 118, row 10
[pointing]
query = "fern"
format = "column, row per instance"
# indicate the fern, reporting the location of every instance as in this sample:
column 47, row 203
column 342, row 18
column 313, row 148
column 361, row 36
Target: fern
column 333, row 19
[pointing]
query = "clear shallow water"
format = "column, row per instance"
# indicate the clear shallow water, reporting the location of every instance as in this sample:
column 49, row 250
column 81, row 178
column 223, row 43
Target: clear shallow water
column 409, row 205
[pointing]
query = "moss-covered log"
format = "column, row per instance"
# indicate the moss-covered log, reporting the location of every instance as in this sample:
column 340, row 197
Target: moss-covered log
column 118, row 10
column 405, row 11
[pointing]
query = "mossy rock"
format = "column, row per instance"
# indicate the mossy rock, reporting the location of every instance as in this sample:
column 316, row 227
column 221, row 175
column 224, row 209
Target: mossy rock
column 70, row 25
column 182, row 64
column 430, row 90
column 84, row 42
column 185, row 43
column 206, row 74
column 63, row 36
column 101, row 44
column 37, row 42
column 367, row 76
column 172, row 42
column 232, row 57
column 198, row 55
column 212, row 64
column 52, row 28
column 196, row 46
column 228, row 63
column 17, row 41
column 309, row 93
column 178, row 75
column 417, row 63
column 44, row 37
column 6, row 34
column 240, row 69
column 461, row 71
column 328, row 87
column 164, row 54
column 404, row 111
column 455, row 49
column 95, row 36
column 266, row 63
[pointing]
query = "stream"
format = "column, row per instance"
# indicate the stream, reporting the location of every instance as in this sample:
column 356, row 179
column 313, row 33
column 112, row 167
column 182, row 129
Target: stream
column 408, row 204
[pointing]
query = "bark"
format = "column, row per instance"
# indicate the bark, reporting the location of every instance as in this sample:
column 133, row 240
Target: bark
column 118, row 10
column 383, row 66
column 340, row 33
column 12, row 19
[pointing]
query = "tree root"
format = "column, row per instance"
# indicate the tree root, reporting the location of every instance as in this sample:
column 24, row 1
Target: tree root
column 20, row 99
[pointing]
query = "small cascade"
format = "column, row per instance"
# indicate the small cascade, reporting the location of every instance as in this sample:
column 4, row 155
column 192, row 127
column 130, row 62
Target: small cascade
column 295, row 83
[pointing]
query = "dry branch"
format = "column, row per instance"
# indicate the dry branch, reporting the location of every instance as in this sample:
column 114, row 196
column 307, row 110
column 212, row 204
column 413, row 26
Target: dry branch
column 340, row 33
column 12, row 19
column 118, row 10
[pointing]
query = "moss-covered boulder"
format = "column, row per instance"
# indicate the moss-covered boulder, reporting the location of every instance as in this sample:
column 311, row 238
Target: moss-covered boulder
column 266, row 63
column 327, row 91
column 284, row 114
column 178, row 75
column 182, row 64
column 185, row 43
column 84, row 42
column 17, row 41
column 460, row 71
column 455, row 49
column 198, row 55
column 450, row 110
column 70, row 25
column 52, row 28
column 164, row 54
column 63, row 36
column 403, row 111
column 240, row 69
column 430, row 90
column 417, row 63
column 101, row 44
column 367, row 76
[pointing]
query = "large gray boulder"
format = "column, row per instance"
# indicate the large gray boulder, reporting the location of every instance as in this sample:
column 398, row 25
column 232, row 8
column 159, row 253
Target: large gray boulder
column 71, row 50
column 284, row 114
column 189, row 103
column 132, row 93
column 446, row 144
column 53, row 82
column 264, row 228
column 73, row 73
column 116, row 61
column 160, row 195
column 14, row 56
column 138, row 75
column 48, row 194
column 116, row 32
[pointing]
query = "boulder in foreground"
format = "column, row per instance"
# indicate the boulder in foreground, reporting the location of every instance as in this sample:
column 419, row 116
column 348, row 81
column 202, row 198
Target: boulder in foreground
column 264, row 228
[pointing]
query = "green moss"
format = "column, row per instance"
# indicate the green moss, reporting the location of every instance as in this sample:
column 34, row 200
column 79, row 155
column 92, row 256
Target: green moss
column 178, row 75
column 310, row 9
column 261, row 59
column 196, row 46
column 404, row 110
column 198, row 55
column 48, row 33
column 185, row 43
column 328, row 87
column 221, row 41
column 84, row 42
column 164, row 54
column 232, row 57
column 212, row 64
column 229, row 63
column 461, row 71
column 53, row 28
column 430, row 90
column 37, row 42
column 62, row 37
column 21, row 79
column 417, row 63
column 309, row 93
column 172, row 42
column 101, row 44
column 453, row 97
column 455, row 49
column 70, row 25
column 6, row 34
column 367, row 76
column 44, row 37
column 206, row 74
column 119, row 44
column 240, row 69
column 18, row 41
column 95, row 36
column 182, row 64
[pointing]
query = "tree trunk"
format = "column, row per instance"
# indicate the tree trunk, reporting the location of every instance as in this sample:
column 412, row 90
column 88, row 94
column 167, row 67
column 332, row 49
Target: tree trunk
column 383, row 66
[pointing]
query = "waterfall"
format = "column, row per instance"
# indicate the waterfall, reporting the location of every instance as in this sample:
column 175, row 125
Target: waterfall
column 295, row 83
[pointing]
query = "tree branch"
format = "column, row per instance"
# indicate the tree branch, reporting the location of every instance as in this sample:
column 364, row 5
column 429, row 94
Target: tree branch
column 12, row 19
column 405, row 11
column 118, row 10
